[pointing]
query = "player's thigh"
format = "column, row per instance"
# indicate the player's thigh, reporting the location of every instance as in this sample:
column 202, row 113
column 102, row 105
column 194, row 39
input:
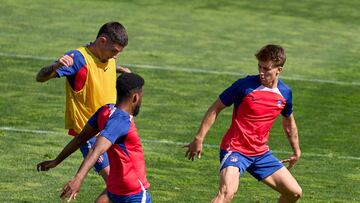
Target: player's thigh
column 283, row 182
column 229, row 179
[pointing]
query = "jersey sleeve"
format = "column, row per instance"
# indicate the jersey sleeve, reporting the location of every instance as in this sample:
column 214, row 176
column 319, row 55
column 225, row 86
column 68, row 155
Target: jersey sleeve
column 233, row 93
column 115, row 128
column 79, row 62
column 94, row 118
column 288, row 109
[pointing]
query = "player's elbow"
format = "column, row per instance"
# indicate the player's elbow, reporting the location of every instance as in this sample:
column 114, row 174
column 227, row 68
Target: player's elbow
column 98, row 150
column 80, row 140
column 290, row 130
column 287, row 131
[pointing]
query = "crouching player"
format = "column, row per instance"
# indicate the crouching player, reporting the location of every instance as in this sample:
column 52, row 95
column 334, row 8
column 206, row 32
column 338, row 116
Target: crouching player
column 118, row 136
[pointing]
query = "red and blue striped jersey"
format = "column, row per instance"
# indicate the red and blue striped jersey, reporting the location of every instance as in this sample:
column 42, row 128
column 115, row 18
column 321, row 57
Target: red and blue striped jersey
column 127, row 164
column 255, row 109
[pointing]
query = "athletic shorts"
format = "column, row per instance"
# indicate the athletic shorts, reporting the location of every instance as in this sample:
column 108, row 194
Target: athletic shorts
column 103, row 160
column 141, row 197
column 258, row 166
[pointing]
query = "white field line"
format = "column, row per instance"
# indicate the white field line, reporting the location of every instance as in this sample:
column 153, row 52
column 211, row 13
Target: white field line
column 192, row 70
column 168, row 142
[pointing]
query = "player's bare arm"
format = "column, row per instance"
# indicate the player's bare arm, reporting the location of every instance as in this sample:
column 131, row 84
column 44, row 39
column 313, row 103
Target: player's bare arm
column 87, row 133
column 291, row 132
column 49, row 72
column 122, row 69
column 71, row 189
column 195, row 147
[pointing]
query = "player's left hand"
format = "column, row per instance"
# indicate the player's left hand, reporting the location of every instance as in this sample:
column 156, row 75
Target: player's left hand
column 70, row 190
column 292, row 161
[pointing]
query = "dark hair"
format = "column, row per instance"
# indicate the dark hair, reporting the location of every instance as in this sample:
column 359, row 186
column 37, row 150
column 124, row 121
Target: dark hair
column 115, row 32
column 272, row 52
column 127, row 84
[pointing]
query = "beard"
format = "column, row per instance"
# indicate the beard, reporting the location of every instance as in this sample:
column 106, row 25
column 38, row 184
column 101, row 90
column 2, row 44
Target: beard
column 136, row 110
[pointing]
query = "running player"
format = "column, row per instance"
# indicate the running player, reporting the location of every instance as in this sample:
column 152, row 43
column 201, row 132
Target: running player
column 257, row 100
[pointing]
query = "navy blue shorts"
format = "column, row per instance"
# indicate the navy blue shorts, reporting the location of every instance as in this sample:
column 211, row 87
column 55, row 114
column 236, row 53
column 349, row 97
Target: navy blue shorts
column 258, row 166
column 141, row 197
column 103, row 160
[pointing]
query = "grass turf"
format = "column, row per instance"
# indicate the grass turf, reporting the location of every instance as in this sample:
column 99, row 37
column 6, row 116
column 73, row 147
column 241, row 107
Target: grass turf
column 320, row 39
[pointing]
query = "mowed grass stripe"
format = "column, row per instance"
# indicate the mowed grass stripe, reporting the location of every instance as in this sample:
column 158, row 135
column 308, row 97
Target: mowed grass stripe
column 193, row 70
column 330, row 156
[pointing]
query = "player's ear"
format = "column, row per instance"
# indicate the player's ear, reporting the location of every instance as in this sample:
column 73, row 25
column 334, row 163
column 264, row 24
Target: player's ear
column 135, row 98
column 280, row 69
column 102, row 39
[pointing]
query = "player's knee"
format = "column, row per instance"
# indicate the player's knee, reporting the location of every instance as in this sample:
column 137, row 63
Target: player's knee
column 102, row 198
column 294, row 195
column 298, row 193
column 228, row 193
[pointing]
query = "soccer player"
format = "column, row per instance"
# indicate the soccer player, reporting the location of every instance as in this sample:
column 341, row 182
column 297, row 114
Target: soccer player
column 118, row 136
column 90, row 73
column 257, row 100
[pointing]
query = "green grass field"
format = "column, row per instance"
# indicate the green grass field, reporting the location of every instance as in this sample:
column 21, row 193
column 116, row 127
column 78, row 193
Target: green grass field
column 188, row 52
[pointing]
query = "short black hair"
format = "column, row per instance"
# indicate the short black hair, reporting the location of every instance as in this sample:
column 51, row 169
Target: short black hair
column 115, row 32
column 127, row 84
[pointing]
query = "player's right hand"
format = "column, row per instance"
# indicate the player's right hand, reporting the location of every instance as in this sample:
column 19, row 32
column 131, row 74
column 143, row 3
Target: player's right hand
column 66, row 60
column 194, row 149
column 46, row 165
